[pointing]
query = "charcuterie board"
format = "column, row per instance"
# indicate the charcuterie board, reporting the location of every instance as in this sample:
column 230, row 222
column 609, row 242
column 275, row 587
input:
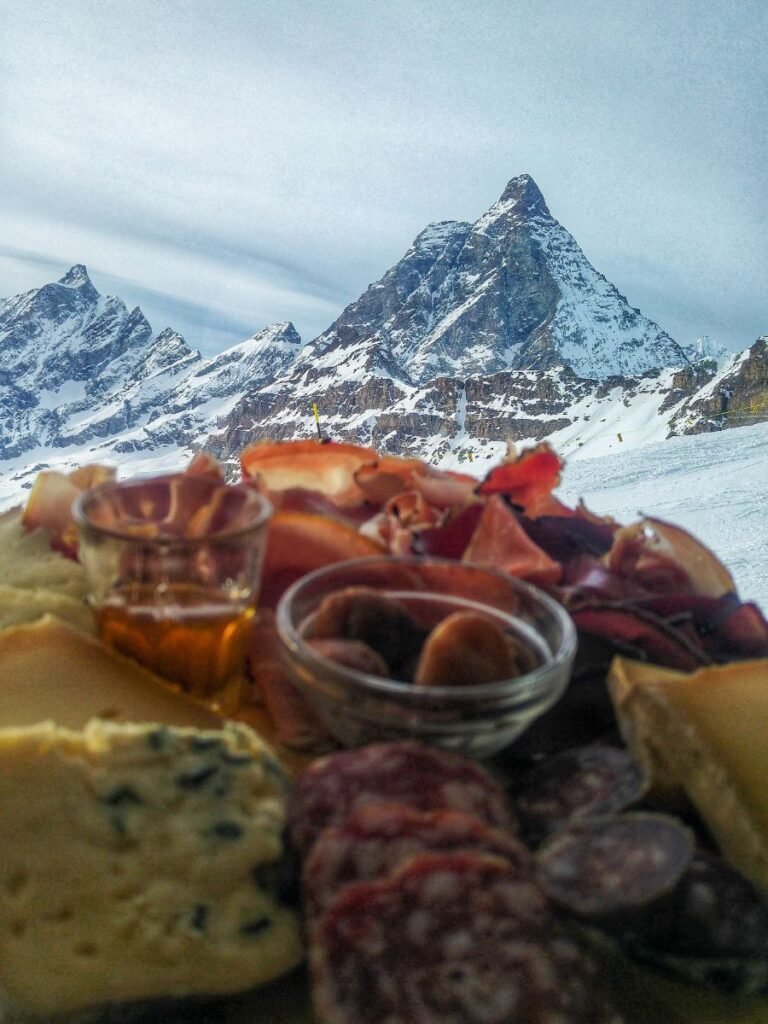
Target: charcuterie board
column 624, row 593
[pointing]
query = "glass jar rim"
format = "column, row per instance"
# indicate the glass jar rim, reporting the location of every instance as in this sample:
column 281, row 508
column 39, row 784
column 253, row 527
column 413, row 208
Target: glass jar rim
column 262, row 507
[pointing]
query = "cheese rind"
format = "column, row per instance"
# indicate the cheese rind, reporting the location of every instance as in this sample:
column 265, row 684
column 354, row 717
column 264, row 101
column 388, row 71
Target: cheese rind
column 18, row 606
column 707, row 734
column 139, row 862
column 624, row 676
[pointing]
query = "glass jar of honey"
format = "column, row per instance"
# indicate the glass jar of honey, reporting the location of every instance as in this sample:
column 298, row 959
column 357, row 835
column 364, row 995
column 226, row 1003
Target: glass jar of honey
column 173, row 566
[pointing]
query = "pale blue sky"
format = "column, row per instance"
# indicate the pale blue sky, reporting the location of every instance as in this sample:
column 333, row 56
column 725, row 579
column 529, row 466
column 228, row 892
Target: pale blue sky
column 228, row 164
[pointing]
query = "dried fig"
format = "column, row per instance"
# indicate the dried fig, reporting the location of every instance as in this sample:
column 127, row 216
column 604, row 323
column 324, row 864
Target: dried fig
column 352, row 654
column 468, row 649
column 362, row 613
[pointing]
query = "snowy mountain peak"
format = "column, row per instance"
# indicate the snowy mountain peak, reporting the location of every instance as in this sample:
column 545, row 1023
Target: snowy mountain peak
column 169, row 336
column 513, row 291
column 267, row 353
column 283, row 331
column 171, row 344
column 76, row 277
column 707, row 348
column 523, row 193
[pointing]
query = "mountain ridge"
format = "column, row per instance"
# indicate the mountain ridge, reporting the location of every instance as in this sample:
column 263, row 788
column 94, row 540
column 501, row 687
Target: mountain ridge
column 483, row 333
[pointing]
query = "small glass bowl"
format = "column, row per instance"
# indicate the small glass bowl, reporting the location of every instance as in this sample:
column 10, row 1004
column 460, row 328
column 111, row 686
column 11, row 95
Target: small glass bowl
column 357, row 708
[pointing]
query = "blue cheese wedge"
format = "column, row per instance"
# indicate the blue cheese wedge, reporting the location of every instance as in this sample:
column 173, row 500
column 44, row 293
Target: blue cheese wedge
column 139, row 862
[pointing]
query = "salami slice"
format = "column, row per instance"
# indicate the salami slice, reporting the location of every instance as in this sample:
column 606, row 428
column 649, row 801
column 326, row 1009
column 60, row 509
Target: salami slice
column 582, row 782
column 452, row 938
column 712, row 929
column 372, row 841
column 419, row 776
column 613, row 865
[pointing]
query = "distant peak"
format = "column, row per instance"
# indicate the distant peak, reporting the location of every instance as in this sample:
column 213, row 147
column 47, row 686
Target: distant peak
column 280, row 333
column 524, row 192
column 169, row 334
column 284, row 327
column 76, row 277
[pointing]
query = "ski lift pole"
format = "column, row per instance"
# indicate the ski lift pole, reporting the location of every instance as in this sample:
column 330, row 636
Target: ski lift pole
column 317, row 421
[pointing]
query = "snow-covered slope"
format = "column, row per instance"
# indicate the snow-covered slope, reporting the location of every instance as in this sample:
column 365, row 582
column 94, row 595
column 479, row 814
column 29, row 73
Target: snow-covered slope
column 715, row 485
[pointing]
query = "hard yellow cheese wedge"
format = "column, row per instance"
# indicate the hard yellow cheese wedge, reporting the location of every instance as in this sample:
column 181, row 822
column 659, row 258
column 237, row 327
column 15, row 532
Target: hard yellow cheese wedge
column 706, row 733
column 51, row 671
column 137, row 862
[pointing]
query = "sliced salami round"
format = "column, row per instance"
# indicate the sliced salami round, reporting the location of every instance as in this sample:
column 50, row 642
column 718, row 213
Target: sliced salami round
column 712, row 929
column 414, row 774
column 452, row 938
column 582, row 782
column 373, row 840
column 617, row 864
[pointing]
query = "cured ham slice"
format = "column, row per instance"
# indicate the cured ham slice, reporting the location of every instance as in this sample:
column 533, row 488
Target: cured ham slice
column 499, row 541
column 392, row 475
column 528, row 481
column 329, row 467
column 204, row 464
column 298, row 542
column 666, row 558
column 50, row 501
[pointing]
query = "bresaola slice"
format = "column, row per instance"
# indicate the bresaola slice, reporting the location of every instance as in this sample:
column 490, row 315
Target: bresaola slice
column 631, row 629
column 413, row 774
column 454, row 938
column 374, row 840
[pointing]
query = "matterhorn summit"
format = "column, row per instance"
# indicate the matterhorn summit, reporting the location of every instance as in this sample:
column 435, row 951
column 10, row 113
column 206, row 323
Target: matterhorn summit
column 513, row 291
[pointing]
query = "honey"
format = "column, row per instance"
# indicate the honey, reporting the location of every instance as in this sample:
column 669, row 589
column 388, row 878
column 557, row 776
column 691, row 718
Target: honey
column 187, row 633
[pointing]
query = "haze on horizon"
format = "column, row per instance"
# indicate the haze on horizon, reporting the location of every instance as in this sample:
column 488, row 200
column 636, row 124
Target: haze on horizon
column 228, row 164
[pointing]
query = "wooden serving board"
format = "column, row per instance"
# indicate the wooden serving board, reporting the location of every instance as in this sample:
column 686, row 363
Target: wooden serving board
column 643, row 997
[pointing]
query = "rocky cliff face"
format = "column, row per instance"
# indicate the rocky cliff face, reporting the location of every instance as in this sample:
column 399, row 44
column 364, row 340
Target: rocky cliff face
column 483, row 333
column 735, row 395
